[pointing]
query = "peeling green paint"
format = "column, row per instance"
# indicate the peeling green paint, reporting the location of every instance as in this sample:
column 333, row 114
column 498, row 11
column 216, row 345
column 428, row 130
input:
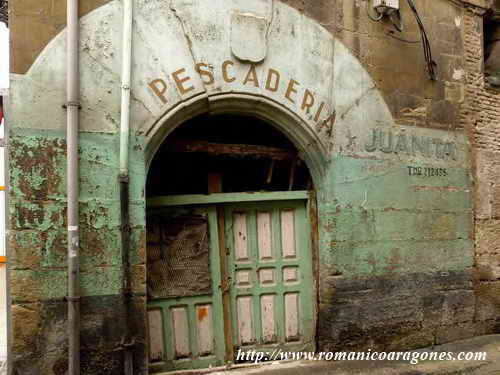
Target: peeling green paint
column 376, row 219
column 38, row 213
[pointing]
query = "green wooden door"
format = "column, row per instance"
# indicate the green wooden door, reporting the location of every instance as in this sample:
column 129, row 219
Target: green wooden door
column 228, row 277
column 184, row 298
column 272, row 293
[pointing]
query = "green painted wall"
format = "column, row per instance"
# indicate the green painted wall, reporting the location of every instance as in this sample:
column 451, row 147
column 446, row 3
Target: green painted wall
column 38, row 220
column 376, row 219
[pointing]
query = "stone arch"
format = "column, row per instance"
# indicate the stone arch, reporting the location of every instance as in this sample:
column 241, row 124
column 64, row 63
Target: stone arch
column 322, row 67
column 292, row 126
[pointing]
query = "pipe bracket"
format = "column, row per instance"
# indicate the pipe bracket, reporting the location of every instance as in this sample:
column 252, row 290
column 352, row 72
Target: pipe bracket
column 72, row 104
column 123, row 178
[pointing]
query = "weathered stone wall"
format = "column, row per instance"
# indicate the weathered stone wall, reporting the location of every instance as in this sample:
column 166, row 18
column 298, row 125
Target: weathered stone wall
column 396, row 61
column 38, row 255
column 481, row 116
column 397, row 267
column 33, row 25
column 420, row 292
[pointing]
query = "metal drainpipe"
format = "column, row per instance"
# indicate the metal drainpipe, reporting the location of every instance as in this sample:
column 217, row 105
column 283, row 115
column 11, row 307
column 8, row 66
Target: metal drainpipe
column 73, row 105
column 127, row 342
column 126, row 74
column 6, row 242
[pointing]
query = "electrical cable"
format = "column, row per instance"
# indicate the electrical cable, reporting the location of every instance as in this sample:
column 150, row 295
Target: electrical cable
column 397, row 20
column 390, row 33
column 431, row 64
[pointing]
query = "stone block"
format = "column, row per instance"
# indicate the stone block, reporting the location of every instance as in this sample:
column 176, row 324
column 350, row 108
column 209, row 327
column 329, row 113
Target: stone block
column 389, row 308
column 432, row 306
column 454, row 92
column 495, row 194
column 417, row 338
column 487, row 172
column 23, row 247
column 487, row 301
column 40, row 336
column 26, row 327
column 394, row 336
column 488, row 267
column 455, row 332
column 322, row 11
column 488, row 247
column 442, row 112
column 25, row 286
column 458, row 307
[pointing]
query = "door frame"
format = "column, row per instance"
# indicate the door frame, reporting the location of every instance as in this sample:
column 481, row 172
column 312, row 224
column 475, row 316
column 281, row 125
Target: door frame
column 225, row 198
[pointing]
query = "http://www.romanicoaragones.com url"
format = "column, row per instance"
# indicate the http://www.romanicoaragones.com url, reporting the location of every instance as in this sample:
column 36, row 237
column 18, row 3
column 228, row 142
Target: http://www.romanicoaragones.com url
column 412, row 357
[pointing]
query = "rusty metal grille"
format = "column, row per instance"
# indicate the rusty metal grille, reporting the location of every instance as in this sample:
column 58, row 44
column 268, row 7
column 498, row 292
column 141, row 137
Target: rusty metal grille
column 178, row 257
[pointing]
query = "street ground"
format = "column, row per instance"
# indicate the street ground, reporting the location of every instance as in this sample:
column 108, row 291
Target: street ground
column 489, row 344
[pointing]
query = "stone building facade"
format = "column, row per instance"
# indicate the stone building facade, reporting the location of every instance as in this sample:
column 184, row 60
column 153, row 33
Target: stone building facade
column 399, row 173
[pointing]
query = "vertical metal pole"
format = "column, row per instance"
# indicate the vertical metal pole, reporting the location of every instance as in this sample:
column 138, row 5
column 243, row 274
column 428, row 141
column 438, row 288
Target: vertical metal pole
column 126, row 74
column 127, row 292
column 6, row 242
column 124, row 175
column 72, row 173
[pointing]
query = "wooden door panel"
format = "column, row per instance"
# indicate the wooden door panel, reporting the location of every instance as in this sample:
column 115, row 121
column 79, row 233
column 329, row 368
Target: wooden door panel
column 265, row 247
column 184, row 299
column 270, row 264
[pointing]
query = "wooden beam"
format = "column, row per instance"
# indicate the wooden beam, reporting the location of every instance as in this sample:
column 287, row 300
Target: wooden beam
column 195, row 199
column 234, row 150
column 214, row 183
column 270, row 172
column 293, row 167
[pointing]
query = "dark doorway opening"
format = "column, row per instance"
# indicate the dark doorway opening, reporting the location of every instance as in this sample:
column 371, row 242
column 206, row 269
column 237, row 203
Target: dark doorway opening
column 248, row 153
column 491, row 34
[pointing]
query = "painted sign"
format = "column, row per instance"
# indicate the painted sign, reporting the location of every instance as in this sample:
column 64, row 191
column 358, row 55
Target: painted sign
column 427, row 171
column 388, row 142
column 177, row 61
column 272, row 80
column 416, row 148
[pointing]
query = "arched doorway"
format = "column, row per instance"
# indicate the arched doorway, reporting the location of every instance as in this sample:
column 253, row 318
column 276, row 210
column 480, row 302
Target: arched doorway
column 230, row 265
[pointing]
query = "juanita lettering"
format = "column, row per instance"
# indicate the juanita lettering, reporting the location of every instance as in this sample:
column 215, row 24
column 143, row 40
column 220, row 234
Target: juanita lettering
column 271, row 80
column 388, row 142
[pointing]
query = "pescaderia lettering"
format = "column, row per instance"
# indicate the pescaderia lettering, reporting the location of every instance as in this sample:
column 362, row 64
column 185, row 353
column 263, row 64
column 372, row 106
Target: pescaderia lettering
column 388, row 142
column 304, row 99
